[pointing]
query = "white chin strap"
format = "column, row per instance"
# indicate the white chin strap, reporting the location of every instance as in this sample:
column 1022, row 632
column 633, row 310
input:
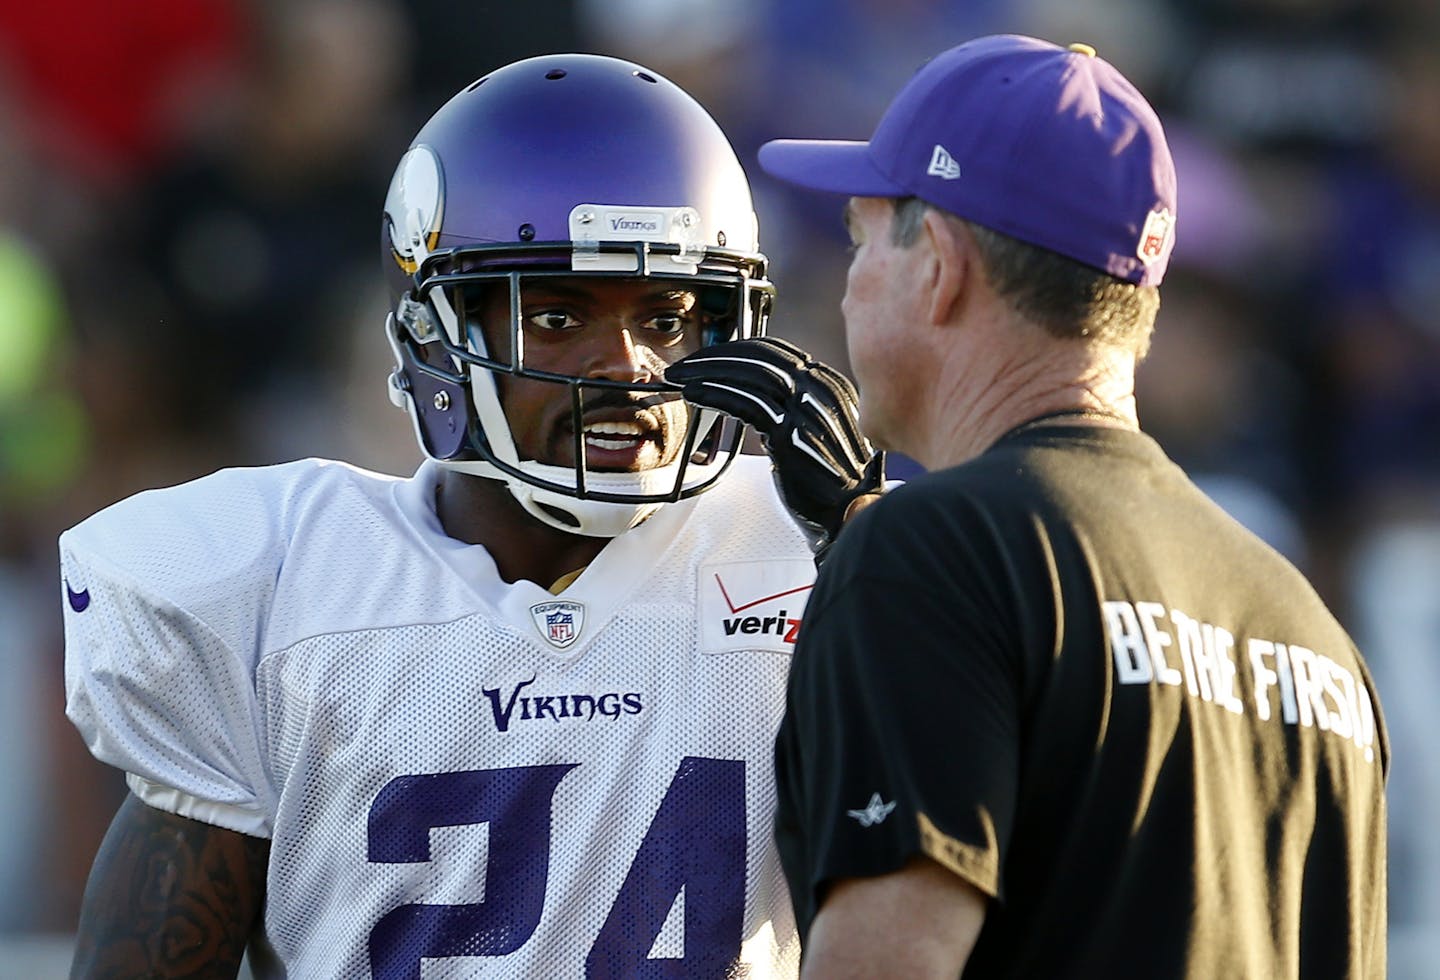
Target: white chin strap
column 593, row 518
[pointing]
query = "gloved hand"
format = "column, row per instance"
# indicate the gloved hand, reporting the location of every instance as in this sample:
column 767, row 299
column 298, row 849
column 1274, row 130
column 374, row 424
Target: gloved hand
column 807, row 414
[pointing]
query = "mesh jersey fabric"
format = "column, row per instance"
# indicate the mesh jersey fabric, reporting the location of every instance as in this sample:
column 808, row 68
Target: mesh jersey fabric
column 1067, row 676
column 446, row 774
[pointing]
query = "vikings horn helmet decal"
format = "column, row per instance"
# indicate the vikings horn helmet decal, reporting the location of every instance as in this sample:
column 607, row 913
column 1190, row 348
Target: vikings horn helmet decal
column 413, row 207
column 563, row 165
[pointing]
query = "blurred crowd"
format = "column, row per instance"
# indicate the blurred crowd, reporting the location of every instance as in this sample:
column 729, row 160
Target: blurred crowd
column 190, row 193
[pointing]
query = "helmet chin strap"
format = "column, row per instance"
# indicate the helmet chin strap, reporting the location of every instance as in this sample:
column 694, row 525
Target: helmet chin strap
column 597, row 518
column 591, row 518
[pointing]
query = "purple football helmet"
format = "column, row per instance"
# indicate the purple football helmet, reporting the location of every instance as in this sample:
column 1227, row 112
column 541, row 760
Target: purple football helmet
column 563, row 165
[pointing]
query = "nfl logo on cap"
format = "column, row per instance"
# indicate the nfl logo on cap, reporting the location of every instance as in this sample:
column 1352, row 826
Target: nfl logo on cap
column 1156, row 235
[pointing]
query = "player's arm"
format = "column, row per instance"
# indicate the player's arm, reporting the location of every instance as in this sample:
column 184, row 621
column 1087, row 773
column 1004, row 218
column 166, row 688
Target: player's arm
column 918, row 922
column 169, row 897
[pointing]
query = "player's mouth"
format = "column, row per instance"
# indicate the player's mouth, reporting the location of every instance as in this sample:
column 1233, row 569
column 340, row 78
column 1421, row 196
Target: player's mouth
column 615, row 437
column 622, row 440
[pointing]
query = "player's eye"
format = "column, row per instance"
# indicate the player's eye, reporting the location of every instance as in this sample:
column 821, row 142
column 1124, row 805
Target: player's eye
column 553, row 320
column 668, row 327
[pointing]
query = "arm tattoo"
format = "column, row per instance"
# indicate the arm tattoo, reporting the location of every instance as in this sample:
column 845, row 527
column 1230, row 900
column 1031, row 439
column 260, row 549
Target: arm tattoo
column 169, row 897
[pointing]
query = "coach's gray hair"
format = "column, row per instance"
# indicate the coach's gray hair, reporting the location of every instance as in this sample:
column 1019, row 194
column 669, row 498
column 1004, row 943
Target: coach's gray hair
column 1068, row 298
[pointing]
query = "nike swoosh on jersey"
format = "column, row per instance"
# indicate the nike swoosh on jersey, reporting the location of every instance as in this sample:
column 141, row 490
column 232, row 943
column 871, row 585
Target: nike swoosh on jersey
column 79, row 601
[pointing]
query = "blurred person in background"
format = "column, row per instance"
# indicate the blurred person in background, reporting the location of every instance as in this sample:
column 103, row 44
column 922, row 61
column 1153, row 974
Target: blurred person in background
column 44, row 444
column 263, row 221
column 1217, row 392
column 111, row 90
column 1376, row 337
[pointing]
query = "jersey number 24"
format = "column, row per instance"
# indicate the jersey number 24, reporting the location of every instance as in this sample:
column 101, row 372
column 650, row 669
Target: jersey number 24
column 696, row 841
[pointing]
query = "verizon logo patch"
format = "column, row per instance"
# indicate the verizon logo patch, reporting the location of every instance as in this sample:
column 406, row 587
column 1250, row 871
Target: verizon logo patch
column 753, row 605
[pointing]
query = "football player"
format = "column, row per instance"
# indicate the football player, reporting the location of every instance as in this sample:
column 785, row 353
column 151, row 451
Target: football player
column 514, row 715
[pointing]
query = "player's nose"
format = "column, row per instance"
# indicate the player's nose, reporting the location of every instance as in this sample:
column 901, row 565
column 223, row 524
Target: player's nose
column 617, row 355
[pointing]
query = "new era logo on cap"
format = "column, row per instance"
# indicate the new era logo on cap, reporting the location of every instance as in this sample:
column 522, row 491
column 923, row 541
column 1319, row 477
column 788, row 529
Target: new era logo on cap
column 942, row 164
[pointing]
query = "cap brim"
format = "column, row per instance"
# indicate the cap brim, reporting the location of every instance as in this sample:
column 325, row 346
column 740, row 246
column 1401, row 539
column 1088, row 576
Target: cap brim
column 834, row 166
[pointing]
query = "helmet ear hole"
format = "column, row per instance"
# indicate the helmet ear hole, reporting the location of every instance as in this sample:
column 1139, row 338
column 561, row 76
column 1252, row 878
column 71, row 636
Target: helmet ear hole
column 442, row 410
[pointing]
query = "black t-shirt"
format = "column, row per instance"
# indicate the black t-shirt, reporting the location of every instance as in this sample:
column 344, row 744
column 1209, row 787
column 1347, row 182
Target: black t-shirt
column 1066, row 675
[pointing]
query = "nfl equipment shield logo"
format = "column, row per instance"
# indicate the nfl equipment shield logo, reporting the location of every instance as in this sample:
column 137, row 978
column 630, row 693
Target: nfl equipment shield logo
column 559, row 621
column 1156, row 235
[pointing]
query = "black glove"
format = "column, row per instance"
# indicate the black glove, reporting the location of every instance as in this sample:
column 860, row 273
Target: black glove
column 807, row 414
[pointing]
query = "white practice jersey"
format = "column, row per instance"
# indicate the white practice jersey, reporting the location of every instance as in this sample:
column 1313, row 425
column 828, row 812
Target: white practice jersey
column 459, row 776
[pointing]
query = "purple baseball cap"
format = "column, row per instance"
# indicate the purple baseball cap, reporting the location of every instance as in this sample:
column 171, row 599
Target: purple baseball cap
column 1046, row 144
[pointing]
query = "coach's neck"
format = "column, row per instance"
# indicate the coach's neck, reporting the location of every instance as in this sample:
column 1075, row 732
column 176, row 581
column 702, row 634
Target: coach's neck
column 996, row 370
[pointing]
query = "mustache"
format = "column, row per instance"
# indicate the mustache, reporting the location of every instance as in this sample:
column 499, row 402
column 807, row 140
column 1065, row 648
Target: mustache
column 602, row 399
column 653, row 410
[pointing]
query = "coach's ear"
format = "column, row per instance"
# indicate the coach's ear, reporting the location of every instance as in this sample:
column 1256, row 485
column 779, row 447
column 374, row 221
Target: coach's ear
column 952, row 264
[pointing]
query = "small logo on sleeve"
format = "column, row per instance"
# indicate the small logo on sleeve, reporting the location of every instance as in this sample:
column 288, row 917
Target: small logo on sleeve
column 874, row 812
column 79, row 601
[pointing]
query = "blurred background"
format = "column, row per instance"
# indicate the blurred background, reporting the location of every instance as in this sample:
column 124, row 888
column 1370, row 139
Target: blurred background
column 190, row 195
